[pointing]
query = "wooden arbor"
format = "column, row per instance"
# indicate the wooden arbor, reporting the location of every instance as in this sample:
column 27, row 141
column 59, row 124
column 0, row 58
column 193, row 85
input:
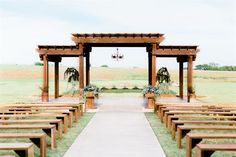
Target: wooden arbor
column 85, row 42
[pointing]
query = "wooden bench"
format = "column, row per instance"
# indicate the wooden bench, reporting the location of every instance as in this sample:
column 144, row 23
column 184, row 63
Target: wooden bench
column 79, row 106
column 183, row 130
column 209, row 113
column 39, row 139
column 57, row 122
column 192, row 139
column 22, row 149
column 63, row 117
column 168, row 109
column 68, row 113
column 41, row 109
column 160, row 106
column 196, row 117
column 176, row 123
column 50, row 130
column 206, row 150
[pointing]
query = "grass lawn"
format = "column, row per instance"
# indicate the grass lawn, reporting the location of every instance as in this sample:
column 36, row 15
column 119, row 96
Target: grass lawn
column 62, row 144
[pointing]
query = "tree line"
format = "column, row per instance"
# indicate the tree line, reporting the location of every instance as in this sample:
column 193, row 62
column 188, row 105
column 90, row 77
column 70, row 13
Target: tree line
column 215, row 67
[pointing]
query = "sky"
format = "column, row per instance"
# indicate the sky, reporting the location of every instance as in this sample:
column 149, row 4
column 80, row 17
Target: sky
column 210, row 24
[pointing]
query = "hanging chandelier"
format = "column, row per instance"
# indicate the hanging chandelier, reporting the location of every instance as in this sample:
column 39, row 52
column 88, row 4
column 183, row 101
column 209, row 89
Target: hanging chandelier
column 116, row 56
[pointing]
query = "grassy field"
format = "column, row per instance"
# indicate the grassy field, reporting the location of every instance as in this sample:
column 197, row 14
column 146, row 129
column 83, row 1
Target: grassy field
column 22, row 82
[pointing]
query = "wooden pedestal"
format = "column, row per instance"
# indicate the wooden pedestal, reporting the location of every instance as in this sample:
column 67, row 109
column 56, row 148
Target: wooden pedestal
column 89, row 100
column 151, row 100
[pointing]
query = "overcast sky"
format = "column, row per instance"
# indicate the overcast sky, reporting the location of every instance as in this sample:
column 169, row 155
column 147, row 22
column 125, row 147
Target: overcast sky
column 211, row 24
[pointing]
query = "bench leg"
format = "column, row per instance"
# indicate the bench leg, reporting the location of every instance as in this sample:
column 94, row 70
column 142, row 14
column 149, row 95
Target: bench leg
column 52, row 133
column 179, row 137
column 65, row 124
column 26, row 153
column 188, row 146
column 41, row 144
column 201, row 153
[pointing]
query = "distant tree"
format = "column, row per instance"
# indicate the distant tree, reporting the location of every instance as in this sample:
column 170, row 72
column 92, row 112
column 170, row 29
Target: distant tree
column 38, row 64
column 214, row 66
column 104, row 66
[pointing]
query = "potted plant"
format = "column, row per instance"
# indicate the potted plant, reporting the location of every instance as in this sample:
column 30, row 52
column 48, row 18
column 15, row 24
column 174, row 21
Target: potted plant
column 150, row 92
column 72, row 76
column 89, row 92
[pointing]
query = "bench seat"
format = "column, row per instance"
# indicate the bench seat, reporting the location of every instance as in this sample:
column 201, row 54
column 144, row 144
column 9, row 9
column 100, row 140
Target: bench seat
column 183, row 130
column 39, row 139
column 22, row 149
column 206, row 150
column 50, row 130
column 192, row 139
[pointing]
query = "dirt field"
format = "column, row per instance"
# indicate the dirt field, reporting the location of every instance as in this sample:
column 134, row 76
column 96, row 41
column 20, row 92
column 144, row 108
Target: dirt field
column 23, row 82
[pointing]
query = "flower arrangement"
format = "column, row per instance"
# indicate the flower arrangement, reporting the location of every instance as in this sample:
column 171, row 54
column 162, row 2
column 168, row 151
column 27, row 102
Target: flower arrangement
column 91, row 88
column 151, row 89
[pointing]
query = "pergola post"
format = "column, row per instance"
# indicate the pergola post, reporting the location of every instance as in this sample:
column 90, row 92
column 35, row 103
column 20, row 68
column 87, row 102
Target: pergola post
column 190, row 77
column 45, row 94
column 154, row 49
column 87, row 68
column 181, row 80
column 149, row 68
column 81, row 67
column 56, row 70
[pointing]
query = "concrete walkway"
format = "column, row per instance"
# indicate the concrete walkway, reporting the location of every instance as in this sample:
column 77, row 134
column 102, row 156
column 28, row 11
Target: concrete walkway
column 118, row 129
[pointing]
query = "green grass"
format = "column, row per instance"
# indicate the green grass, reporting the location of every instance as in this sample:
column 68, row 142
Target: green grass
column 170, row 146
column 62, row 144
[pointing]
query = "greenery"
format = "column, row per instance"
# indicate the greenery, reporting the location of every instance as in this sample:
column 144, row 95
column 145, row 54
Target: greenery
column 215, row 67
column 72, row 76
column 91, row 88
column 151, row 89
column 164, row 88
column 38, row 64
column 104, row 66
column 163, row 75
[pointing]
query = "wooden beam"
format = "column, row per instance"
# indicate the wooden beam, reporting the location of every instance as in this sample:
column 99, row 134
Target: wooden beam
column 181, row 80
column 175, row 52
column 87, row 68
column 45, row 94
column 81, row 68
column 149, row 68
column 56, row 79
column 62, row 52
column 154, row 49
column 121, row 40
column 190, row 77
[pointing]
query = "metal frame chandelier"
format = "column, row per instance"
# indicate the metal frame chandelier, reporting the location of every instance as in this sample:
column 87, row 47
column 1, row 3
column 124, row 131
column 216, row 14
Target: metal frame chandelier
column 117, row 56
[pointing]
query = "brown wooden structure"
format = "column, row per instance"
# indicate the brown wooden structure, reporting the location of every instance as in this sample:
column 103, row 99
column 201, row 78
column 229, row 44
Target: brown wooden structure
column 85, row 42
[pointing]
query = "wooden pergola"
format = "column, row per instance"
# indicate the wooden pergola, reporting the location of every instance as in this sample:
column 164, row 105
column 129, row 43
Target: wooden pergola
column 85, row 42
